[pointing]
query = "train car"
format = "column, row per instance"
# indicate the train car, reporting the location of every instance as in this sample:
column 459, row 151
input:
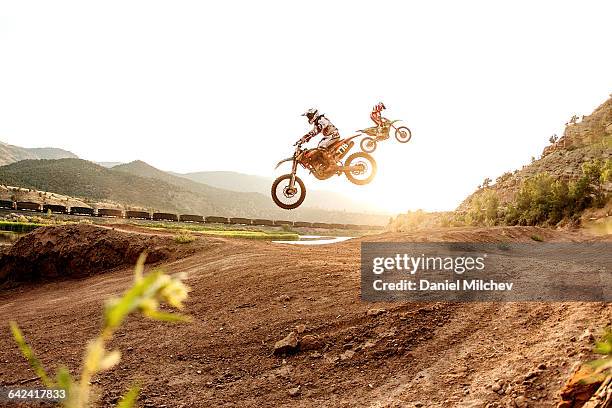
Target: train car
column 140, row 215
column 7, row 204
column 353, row 227
column 216, row 220
column 165, row 217
column 280, row 223
column 337, row 226
column 377, row 227
column 302, row 224
column 259, row 221
column 110, row 212
column 238, row 220
column 28, row 206
column 55, row 208
column 82, row 211
column 321, row 225
column 191, row 218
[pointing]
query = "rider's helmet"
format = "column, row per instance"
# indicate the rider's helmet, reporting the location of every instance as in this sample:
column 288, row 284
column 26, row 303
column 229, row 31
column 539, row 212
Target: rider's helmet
column 311, row 114
column 380, row 106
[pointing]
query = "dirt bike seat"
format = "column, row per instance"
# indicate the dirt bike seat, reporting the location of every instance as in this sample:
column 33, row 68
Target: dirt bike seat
column 336, row 144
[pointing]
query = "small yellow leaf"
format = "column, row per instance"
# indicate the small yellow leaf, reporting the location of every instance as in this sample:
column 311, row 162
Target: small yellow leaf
column 140, row 267
column 94, row 355
column 110, row 360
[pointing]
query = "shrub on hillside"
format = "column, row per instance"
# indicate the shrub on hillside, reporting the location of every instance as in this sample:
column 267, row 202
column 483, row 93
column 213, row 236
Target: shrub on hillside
column 410, row 221
column 483, row 209
column 503, row 177
column 542, row 199
column 184, row 237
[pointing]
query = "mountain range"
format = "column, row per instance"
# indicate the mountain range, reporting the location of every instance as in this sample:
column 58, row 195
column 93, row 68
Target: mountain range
column 219, row 180
column 247, row 183
column 141, row 185
column 10, row 154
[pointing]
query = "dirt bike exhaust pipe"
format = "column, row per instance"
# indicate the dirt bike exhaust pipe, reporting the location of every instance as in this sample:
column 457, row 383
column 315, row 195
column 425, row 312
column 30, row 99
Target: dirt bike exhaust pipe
column 351, row 168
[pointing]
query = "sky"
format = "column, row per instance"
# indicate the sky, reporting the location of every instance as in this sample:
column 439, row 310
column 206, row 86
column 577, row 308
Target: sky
column 193, row 86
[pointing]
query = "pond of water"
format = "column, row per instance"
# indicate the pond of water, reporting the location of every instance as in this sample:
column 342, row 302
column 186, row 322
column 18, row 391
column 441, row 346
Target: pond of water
column 314, row 240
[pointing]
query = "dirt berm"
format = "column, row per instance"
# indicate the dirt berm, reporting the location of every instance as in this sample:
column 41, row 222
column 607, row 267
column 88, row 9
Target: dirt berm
column 74, row 251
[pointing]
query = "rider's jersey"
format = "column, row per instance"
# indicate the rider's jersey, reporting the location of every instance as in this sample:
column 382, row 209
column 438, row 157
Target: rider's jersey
column 324, row 126
column 376, row 116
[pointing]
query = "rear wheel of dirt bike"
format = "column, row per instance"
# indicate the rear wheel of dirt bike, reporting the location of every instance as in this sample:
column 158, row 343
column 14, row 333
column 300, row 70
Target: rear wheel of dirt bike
column 285, row 197
column 368, row 144
column 403, row 134
column 364, row 168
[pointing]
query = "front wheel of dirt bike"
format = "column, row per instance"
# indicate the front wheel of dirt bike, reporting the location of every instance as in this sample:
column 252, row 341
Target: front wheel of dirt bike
column 403, row 134
column 285, row 197
column 362, row 168
column 368, row 144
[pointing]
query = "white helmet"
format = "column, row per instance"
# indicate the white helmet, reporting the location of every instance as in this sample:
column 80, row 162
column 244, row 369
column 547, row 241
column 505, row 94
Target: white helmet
column 311, row 114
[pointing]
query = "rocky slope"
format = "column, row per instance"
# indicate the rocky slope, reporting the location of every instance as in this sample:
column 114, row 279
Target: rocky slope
column 583, row 140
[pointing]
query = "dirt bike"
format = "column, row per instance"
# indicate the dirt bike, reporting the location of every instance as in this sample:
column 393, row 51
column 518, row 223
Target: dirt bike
column 288, row 190
column 377, row 134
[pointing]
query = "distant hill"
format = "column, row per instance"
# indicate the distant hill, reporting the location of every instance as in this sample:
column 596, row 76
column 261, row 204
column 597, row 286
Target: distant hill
column 229, row 201
column 44, row 197
column 248, row 183
column 81, row 178
column 139, row 184
column 10, row 154
column 231, row 180
column 108, row 165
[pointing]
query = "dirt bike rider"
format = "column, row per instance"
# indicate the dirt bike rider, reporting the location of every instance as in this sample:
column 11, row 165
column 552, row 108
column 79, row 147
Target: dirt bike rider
column 376, row 116
column 321, row 125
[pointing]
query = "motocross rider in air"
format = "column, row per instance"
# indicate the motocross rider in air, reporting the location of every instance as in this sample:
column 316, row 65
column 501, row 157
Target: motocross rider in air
column 321, row 125
column 376, row 116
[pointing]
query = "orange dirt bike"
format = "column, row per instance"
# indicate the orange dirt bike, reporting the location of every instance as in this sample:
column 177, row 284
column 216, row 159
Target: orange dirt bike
column 288, row 190
column 378, row 134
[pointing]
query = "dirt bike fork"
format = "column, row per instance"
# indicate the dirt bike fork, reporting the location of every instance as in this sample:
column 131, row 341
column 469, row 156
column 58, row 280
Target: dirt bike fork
column 293, row 171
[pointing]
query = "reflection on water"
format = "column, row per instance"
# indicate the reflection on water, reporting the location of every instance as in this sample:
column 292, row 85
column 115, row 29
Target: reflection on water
column 314, row 240
column 8, row 238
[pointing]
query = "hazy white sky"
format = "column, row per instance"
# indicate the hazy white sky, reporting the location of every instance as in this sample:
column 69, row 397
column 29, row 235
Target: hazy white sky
column 190, row 86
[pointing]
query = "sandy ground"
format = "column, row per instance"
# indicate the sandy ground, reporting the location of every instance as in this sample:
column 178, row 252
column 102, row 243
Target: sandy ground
column 246, row 295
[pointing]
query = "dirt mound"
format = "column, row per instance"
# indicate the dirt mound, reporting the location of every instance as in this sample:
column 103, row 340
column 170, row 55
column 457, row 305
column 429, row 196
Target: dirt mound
column 70, row 251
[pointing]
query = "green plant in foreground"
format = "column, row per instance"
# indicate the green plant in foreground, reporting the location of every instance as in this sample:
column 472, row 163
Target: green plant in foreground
column 184, row 238
column 144, row 296
column 18, row 226
column 602, row 368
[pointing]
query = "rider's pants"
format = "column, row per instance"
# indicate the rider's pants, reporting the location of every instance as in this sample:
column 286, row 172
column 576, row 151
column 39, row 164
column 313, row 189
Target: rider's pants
column 328, row 141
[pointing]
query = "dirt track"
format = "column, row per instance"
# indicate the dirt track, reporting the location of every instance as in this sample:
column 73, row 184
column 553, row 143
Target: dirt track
column 246, row 295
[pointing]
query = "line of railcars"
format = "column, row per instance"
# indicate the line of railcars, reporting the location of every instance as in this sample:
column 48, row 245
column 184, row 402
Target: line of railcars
column 161, row 216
